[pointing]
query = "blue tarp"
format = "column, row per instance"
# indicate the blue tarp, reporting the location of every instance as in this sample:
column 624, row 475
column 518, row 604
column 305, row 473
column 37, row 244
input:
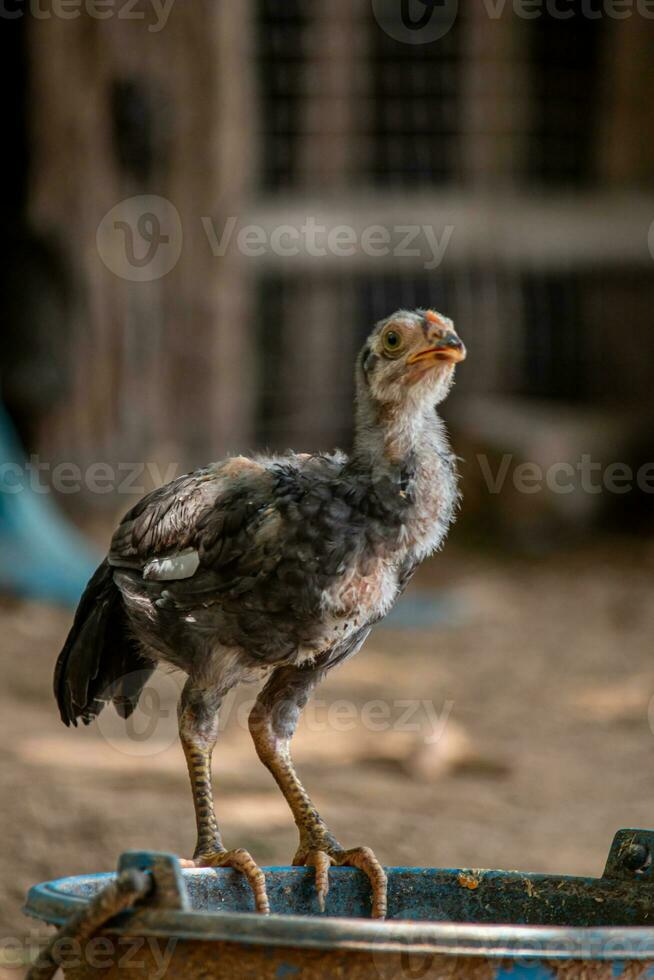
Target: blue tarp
column 42, row 556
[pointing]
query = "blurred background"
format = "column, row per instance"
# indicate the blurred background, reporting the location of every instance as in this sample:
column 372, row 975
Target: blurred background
column 206, row 206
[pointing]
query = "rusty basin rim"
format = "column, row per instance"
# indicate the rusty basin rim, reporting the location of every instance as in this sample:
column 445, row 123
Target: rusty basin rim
column 55, row 901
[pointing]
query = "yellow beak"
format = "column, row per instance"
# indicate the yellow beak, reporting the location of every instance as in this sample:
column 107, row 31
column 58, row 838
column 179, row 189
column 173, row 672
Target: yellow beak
column 449, row 348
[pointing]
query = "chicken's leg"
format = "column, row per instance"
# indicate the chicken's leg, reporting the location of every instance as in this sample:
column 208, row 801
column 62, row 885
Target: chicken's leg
column 272, row 724
column 198, row 730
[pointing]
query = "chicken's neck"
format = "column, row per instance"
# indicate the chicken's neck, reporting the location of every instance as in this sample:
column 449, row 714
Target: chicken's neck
column 410, row 447
column 386, row 437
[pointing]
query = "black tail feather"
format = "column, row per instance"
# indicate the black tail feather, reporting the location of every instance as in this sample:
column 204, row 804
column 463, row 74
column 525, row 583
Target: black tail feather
column 100, row 660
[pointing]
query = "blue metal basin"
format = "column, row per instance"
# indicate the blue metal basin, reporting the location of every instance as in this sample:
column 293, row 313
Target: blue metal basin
column 442, row 923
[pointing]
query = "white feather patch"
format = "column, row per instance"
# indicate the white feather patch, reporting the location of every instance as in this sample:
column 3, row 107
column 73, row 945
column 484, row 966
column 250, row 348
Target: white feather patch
column 182, row 565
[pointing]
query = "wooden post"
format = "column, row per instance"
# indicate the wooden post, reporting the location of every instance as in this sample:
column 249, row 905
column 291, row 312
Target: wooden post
column 161, row 370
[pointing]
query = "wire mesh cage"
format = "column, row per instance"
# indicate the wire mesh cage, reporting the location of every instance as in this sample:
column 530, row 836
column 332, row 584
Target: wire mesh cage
column 500, row 172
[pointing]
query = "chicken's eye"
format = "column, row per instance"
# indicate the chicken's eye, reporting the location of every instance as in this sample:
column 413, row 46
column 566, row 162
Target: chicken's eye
column 392, row 342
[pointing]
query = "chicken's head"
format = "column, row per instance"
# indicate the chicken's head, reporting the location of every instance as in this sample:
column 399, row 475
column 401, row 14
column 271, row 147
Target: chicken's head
column 410, row 358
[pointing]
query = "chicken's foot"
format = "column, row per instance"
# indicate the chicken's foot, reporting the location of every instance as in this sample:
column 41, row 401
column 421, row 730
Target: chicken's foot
column 272, row 723
column 198, row 729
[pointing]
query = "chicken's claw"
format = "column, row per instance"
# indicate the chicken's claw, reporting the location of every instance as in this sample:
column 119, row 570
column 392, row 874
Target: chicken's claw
column 241, row 860
column 356, row 857
column 321, row 862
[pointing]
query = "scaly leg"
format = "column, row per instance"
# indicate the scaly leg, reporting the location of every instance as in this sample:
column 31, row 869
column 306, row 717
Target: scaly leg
column 272, row 724
column 198, row 730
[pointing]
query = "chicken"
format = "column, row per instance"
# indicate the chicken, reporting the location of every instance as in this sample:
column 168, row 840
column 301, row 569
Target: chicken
column 274, row 569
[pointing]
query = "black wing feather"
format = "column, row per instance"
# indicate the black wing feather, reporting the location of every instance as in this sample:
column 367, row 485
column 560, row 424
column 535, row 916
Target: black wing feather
column 100, row 660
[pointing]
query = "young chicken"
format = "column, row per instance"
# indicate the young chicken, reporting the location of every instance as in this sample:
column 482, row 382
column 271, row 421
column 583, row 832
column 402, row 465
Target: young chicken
column 274, row 568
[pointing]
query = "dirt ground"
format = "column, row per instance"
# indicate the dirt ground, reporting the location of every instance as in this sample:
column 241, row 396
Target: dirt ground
column 515, row 733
